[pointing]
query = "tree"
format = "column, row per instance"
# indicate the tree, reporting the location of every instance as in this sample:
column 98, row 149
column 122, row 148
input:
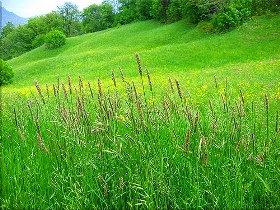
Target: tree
column 7, row 29
column 159, row 10
column 174, row 11
column 45, row 23
column 115, row 4
column 143, row 9
column 70, row 16
column 127, row 12
column 17, row 42
column 97, row 17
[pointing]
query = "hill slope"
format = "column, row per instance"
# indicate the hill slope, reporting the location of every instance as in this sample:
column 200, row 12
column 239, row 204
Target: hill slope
column 246, row 54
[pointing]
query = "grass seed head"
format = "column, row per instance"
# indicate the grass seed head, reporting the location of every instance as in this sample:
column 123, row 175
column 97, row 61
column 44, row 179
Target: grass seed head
column 187, row 141
column 166, row 106
column 90, row 89
column 201, row 142
column 114, row 79
column 266, row 102
column 139, row 64
column 65, row 91
column 205, row 158
column 40, row 143
column 242, row 96
column 239, row 144
column 122, row 75
column 135, row 91
column 211, row 107
column 54, row 90
column 149, row 79
column 39, row 91
column 216, row 82
column 140, row 111
column 81, row 85
column 69, row 84
column 179, row 89
column 171, row 84
column 129, row 91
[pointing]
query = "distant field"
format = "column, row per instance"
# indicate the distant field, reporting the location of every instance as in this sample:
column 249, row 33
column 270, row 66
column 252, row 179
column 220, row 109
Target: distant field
column 250, row 54
column 199, row 128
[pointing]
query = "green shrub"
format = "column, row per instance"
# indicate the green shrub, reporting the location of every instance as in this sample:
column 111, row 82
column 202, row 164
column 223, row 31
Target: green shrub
column 6, row 73
column 203, row 10
column 39, row 40
column 233, row 15
column 55, row 39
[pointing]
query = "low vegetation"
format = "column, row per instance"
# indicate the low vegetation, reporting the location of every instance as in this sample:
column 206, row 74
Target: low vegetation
column 197, row 128
column 74, row 146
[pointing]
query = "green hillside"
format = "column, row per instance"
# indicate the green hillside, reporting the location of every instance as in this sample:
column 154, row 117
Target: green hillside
column 247, row 54
column 201, row 131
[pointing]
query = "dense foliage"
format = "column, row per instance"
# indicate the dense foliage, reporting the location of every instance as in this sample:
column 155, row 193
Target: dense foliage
column 54, row 39
column 220, row 16
column 97, row 17
column 6, row 73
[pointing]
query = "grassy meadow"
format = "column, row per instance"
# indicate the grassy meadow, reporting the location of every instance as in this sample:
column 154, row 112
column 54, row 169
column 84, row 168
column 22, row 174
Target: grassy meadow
column 146, row 116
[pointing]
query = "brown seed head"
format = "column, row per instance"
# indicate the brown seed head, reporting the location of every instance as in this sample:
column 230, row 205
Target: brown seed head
column 179, row 89
column 70, row 84
column 113, row 78
column 266, row 102
column 139, row 64
column 121, row 72
column 171, row 84
column 65, row 91
column 187, row 141
column 39, row 91
column 149, row 79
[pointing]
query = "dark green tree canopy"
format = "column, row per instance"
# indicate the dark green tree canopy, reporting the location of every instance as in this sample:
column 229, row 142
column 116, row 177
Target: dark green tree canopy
column 97, row 17
column 7, row 29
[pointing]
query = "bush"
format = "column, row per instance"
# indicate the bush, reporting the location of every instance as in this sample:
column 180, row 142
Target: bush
column 203, row 10
column 39, row 40
column 55, row 39
column 233, row 15
column 6, row 73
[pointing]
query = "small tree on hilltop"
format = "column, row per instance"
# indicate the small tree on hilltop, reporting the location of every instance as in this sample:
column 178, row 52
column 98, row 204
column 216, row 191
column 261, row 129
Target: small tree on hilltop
column 6, row 73
column 55, row 39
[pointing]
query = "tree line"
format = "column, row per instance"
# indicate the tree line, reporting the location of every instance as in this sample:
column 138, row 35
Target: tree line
column 215, row 15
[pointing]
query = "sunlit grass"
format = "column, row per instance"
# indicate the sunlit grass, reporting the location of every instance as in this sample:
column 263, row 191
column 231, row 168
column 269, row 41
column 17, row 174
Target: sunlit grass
column 166, row 49
column 144, row 144
column 202, row 132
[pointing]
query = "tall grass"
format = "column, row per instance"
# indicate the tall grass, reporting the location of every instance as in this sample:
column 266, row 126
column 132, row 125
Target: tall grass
column 133, row 146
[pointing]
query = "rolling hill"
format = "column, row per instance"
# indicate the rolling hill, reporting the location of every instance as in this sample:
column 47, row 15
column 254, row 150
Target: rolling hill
column 249, row 53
